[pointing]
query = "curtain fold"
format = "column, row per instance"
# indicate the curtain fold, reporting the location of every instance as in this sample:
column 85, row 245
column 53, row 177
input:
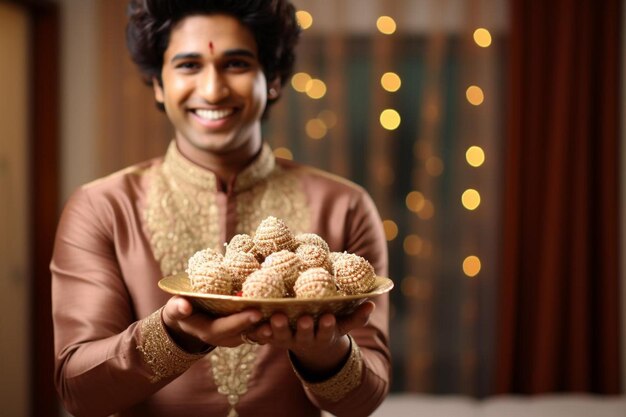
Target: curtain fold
column 559, row 289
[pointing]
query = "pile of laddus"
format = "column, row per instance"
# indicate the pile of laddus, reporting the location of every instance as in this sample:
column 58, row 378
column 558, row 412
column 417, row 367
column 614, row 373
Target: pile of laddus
column 275, row 263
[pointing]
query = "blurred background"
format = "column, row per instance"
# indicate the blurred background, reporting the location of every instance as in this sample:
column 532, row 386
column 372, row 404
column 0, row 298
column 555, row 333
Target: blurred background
column 488, row 133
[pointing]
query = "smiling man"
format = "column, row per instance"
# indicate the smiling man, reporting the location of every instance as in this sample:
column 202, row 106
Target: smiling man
column 123, row 347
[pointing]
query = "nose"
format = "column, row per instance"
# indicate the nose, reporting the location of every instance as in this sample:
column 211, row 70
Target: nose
column 212, row 86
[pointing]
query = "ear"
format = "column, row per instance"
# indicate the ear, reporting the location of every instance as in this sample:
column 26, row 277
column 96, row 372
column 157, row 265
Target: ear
column 158, row 91
column 274, row 89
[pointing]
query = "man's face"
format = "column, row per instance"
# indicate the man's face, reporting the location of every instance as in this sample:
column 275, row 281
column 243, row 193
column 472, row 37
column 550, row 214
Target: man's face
column 214, row 89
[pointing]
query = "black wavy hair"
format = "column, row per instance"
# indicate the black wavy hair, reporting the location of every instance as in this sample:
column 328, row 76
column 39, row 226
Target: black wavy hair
column 272, row 22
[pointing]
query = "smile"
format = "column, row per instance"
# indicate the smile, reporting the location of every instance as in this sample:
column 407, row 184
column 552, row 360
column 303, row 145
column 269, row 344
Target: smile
column 212, row 115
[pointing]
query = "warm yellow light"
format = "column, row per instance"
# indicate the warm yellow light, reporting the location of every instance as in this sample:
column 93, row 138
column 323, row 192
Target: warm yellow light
column 305, row 20
column 475, row 156
column 391, row 229
column 390, row 119
column 415, row 201
column 427, row 211
column 412, row 245
column 283, row 153
column 391, row 82
column 434, row 166
column 471, row 266
column 482, row 37
column 329, row 117
column 475, row 95
column 386, row 25
column 470, row 199
column 315, row 88
column 299, row 81
column 316, row 129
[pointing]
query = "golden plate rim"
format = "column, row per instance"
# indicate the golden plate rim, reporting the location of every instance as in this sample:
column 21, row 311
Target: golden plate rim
column 384, row 285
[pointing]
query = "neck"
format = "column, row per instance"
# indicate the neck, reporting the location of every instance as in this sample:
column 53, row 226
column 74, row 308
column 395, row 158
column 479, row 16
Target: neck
column 225, row 165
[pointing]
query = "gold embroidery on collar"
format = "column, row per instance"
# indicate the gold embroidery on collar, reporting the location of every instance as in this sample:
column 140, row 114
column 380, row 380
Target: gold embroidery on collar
column 181, row 214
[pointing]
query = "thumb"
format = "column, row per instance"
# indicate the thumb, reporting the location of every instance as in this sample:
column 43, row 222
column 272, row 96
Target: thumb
column 177, row 308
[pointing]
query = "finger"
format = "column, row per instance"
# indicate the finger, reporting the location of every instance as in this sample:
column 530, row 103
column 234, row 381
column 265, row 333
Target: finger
column 305, row 330
column 176, row 309
column 281, row 333
column 262, row 333
column 234, row 324
column 358, row 318
column 326, row 328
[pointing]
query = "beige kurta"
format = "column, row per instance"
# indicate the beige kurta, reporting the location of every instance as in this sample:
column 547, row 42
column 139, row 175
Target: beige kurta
column 119, row 235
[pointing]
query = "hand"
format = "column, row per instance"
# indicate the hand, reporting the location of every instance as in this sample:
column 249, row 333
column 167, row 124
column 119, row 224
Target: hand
column 193, row 331
column 319, row 350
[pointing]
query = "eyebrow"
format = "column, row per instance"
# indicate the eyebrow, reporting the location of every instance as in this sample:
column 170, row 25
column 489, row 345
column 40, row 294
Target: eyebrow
column 228, row 53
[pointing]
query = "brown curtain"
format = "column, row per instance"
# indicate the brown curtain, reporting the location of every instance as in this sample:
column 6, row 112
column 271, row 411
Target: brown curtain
column 44, row 192
column 559, row 290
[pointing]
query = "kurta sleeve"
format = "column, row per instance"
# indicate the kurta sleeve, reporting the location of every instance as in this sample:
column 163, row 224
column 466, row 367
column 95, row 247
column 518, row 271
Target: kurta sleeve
column 105, row 360
column 363, row 382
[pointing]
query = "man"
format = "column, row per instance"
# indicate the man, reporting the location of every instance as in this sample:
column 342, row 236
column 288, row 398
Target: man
column 123, row 347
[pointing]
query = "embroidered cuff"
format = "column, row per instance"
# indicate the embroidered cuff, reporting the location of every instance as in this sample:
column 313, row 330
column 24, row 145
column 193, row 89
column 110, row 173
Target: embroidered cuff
column 347, row 379
column 159, row 351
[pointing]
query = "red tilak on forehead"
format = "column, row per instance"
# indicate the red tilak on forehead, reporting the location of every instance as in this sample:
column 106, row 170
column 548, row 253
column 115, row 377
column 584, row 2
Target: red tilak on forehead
column 211, row 46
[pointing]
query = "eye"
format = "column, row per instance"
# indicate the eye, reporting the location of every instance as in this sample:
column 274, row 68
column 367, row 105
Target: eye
column 188, row 65
column 237, row 64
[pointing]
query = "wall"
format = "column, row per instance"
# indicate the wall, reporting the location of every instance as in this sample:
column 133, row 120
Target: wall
column 14, row 286
column 79, row 93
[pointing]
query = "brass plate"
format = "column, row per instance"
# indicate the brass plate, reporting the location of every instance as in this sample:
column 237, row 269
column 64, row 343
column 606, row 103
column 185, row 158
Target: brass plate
column 223, row 305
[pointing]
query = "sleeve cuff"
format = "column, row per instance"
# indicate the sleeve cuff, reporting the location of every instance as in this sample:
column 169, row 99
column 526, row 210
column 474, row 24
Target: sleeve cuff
column 164, row 357
column 339, row 385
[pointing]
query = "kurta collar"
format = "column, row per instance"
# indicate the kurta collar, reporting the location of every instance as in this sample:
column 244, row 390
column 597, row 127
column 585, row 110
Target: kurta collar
column 186, row 171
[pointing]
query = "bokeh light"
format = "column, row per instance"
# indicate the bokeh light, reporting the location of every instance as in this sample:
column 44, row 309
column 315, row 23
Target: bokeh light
column 315, row 88
column 386, row 25
column 390, row 119
column 482, row 37
column 391, row 82
column 305, row 20
column 475, row 156
column 299, row 81
column 471, row 266
column 316, row 129
column 391, row 229
column 415, row 201
column 470, row 199
column 475, row 95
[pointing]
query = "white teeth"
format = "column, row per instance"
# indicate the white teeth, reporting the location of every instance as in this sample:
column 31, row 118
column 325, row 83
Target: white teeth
column 214, row 114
